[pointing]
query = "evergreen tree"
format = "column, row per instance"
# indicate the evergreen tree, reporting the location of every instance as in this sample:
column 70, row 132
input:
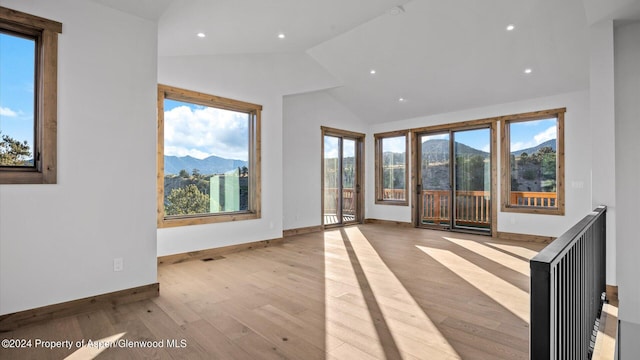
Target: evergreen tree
column 13, row 152
column 186, row 201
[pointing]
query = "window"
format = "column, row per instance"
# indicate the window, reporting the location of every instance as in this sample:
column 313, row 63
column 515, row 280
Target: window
column 208, row 158
column 533, row 162
column 28, row 98
column 391, row 168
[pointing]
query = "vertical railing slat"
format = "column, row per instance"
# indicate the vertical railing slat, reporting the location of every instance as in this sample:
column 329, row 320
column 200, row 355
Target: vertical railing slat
column 567, row 280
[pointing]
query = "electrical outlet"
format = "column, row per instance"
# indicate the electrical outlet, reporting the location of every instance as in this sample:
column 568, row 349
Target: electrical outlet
column 118, row 264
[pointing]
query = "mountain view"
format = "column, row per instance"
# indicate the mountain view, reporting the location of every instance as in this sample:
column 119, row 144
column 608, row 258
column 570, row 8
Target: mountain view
column 549, row 143
column 211, row 165
column 532, row 169
column 204, row 186
column 437, row 150
column 189, row 180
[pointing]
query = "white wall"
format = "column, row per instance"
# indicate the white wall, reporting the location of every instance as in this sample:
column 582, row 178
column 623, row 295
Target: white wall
column 58, row 242
column 304, row 114
column 261, row 79
column 577, row 162
column 627, row 148
column 602, row 107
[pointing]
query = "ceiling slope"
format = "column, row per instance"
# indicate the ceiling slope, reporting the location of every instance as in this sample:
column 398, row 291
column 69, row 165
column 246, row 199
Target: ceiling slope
column 438, row 56
column 253, row 26
column 445, row 56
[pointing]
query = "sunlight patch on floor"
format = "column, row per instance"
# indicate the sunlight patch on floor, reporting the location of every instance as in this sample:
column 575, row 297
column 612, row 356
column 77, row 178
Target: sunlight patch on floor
column 97, row 346
column 340, row 282
column 501, row 291
column 412, row 330
column 511, row 262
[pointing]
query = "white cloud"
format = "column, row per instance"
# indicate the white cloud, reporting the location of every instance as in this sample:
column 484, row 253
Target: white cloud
column 180, row 152
column 434, row 137
column 204, row 131
column 548, row 134
column 4, row 111
column 394, row 144
column 515, row 146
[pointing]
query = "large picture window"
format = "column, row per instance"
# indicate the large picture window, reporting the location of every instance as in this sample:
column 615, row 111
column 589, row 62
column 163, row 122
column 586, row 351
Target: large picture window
column 208, row 158
column 533, row 162
column 28, row 98
column 391, row 168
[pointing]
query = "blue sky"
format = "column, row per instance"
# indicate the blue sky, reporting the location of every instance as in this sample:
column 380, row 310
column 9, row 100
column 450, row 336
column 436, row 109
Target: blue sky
column 17, row 64
column 201, row 131
column 528, row 134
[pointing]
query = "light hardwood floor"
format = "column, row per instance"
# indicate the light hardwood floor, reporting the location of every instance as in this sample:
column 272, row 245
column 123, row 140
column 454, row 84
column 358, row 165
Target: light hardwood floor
column 360, row 292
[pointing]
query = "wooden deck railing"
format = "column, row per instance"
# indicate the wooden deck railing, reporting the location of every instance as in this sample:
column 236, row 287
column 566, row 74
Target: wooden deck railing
column 330, row 201
column 393, row 194
column 533, row 198
column 472, row 207
column 435, row 207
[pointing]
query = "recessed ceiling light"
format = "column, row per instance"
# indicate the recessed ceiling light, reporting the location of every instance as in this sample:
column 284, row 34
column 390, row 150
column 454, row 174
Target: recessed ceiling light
column 372, row 71
column 402, row 100
column 201, row 35
column 510, row 27
column 528, row 71
column 281, row 36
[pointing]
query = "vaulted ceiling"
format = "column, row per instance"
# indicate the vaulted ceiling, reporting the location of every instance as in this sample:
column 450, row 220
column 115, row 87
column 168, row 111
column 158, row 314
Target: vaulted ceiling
column 429, row 56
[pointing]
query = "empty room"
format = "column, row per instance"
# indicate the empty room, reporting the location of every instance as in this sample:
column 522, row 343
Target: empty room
column 364, row 179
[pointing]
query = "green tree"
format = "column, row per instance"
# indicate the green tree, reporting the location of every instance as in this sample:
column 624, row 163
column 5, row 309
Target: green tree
column 529, row 174
column 546, row 150
column 187, row 200
column 183, row 174
column 13, row 152
column 470, row 173
column 548, row 170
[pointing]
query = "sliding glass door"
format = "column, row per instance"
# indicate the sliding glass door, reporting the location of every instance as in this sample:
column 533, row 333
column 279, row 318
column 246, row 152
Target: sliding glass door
column 454, row 182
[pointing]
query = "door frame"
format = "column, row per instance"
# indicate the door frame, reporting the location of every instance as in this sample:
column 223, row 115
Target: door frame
column 359, row 179
column 492, row 125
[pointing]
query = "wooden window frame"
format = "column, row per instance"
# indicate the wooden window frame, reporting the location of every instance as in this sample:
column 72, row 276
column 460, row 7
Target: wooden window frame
column 379, row 171
column 506, row 205
column 254, row 206
column 46, row 97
